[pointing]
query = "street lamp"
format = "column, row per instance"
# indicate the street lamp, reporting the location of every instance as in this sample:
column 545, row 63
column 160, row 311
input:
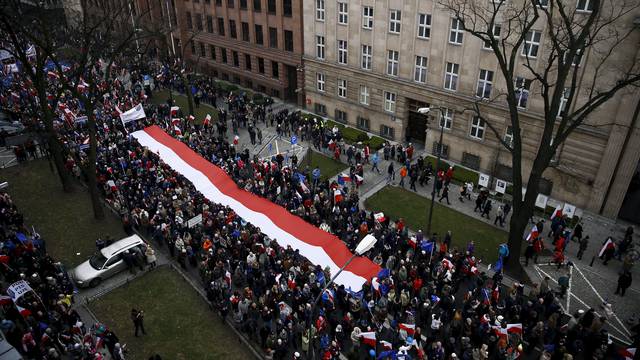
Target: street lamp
column 425, row 111
column 364, row 245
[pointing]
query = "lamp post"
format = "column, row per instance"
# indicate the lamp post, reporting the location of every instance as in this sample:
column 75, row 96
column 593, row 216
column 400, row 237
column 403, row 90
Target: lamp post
column 425, row 111
column 364, row 245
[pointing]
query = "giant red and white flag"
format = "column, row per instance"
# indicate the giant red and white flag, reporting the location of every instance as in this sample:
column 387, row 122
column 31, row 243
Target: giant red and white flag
column 320, row 247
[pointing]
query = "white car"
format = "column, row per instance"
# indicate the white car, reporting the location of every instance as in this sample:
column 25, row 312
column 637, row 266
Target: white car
column 107, row 262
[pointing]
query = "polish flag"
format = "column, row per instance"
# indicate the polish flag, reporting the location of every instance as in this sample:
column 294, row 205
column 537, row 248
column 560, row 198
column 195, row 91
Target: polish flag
column 386, row 345
column 413, row 241
column 317, row 246
column 514, row 328
column 369, row 338
column 5, row 300
column 53, row 75
column 447, row 264
column 112, row 185
column 236, row 139
column 175, row 121
column 15, row 96
column 557, row 213
column 379, row 217
column 359, row 179
column 82, row 86
column 337, row 196
column 174, row 110
column 607, row 245
column 191, row 118
column 177, row 130
column 227, row 278
column 207, row 120
column 409, row 328
column 533, row 234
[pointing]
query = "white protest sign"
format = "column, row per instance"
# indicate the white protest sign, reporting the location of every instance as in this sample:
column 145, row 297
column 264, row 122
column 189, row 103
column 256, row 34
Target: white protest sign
column 569, row 210
column 541, row 201
column 194, row 221
column 133, row 114
column 18, row 289
column 483, row 180
column 501, row 186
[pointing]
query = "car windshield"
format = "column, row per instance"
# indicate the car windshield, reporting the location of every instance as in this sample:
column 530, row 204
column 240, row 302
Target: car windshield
column 97, row 260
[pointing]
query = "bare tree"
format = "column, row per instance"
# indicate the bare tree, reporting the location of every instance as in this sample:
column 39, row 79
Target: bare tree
column 546, row 42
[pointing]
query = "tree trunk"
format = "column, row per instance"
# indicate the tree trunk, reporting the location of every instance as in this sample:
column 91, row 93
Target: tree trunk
column 91, row 169
column 188, row 94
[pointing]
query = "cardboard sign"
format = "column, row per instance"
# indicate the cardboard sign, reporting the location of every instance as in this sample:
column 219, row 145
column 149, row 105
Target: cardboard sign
column 196, row 220
column 568, row 210
column 541, row 201
column 501, row 186
column 483, row 180
column 18, row 289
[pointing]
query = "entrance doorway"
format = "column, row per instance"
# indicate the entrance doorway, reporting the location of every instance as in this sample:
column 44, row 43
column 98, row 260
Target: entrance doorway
column 631, row 203
column 292, row 84
column 417, row 124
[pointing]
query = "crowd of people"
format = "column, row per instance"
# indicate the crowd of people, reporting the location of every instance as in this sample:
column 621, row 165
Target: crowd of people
column 429, row 301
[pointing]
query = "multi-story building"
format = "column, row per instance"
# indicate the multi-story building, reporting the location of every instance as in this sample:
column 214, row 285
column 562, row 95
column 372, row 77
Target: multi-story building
column 254, row 43
column 372, row 64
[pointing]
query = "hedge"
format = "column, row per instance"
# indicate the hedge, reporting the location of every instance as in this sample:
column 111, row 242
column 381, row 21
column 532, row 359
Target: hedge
column 460, row 174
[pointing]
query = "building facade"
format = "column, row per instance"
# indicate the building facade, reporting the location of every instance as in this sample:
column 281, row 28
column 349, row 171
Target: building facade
column 254, row 43
column 372, row 64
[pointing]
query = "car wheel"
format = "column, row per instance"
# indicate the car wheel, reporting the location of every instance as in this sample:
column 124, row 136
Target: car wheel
column 95, row 282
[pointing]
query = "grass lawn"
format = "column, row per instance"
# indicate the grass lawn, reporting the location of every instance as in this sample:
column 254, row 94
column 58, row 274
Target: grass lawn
column 328, row 166
column 397, row 202
column 160, row 97
column 178, row 322
column 64, row 220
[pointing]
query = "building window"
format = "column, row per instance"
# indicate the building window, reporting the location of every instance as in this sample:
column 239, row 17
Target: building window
column 477, row 128
column 446, row 119
column 424, row 26
column 320, row 82
column 275, row 71
column 236, row 60
column 342, row 52
column 585, row 5
column 420, row 72
column 389, row 101
column 187, row 15
column 271, row 6
column 245, row 31
column 209, row 24
column 522, row 91
column 341, row 116
column 495, row 34
column 212, row 52
column 485, row 82
column 320, row 109
column 221, row 26
column 273, row 37
column 387, row 132
column 199, row 22
column 443, row 149
column 342, row 88
column 456, row 33
column 508, row 135
column 363, row 123
column 471, row 161
column 367, row 17
column 232, row 29
column 364, row 95
column 193, row 47
column 542, row 3
column 577, row 58
column 257, row 5
column 230, row 4
column 320, row 47
column 218, row 2
column 288, row 40
column 531, row 44
column 259, row 38
column 367, row 56
column 392, row 62
column 223, row 52
column 395, row 17
column 451, row 76
column 261, row 65
column 287, row 9
column 203, row 50
column 320, row 10
column 343, row 13
column 564, row 100
column 243, row 4
column 247, row 62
